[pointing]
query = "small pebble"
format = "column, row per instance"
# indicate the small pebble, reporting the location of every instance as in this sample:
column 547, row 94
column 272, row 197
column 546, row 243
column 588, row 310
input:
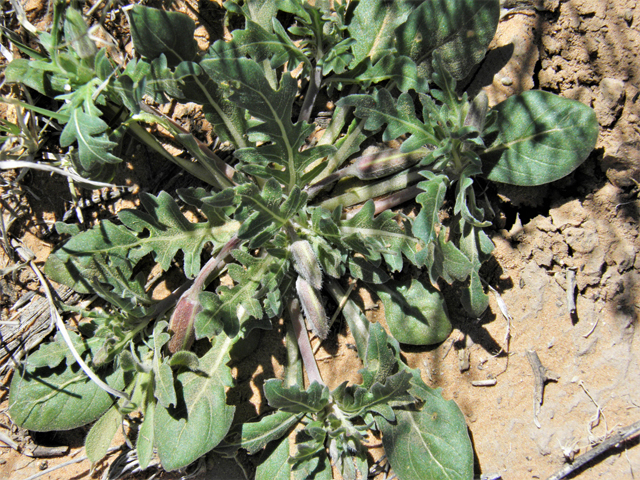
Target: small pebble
column 506, row 81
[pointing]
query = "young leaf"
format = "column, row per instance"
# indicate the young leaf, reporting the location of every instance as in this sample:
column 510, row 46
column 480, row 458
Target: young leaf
column 429, row 443
column 201, row 418
column 399, row 116
column 145, row 440
column 101, row 435
column 415, row 313
column 294, row 399
column 94, row 145
column 476, row 246
column 355, row 400
column 543, row 137
column 256, row 435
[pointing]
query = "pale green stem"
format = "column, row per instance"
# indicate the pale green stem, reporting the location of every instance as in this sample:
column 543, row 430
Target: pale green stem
column 367, row 192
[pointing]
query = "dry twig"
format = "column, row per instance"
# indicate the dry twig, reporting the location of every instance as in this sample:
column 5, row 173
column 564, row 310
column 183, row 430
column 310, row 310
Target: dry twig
column 540, row 376
column 620, row 436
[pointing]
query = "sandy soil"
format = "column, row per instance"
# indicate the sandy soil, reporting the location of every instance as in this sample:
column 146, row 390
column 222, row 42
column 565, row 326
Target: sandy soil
column 584, row 226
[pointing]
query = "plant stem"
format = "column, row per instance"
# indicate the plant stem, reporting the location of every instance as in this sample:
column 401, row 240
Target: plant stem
column 315, row 81
column 391, row 201
column 152, row 142
column 302, row 337
column 362, row 194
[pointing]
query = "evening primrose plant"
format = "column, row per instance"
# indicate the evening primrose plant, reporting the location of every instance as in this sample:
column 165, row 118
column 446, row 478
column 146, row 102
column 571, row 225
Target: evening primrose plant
column 301, row 208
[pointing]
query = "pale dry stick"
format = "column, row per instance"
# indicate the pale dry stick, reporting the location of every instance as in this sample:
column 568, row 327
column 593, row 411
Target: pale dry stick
column 540, row 376
column 65, row 464
column 571, row 289
column 55, row 315
column 595, row 421
column 507, row 335
column 13, row 164
column 595, row 324
column 620, row 436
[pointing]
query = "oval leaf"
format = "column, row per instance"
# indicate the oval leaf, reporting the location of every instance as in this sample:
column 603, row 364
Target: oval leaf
column 415, row 313
column 430, row 443
column 543, row 137
column 202, row 417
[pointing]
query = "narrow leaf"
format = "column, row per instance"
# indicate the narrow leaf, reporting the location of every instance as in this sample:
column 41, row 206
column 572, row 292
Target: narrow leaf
column 101, row 435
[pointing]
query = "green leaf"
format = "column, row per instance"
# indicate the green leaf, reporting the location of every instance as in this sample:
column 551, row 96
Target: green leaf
column 46, row 399
column 27, row 72
column 162, row 231
column 157, row 32
column 186, row 359
column 378, row 236
column 458, row 31
column 476, row 246
column 380, row 360
column 201, row 418
column 94, row 145
column 145, row 440
column 256, row 435
column 543, row 137
column 165, row 391
column 102, row 434
column 276, row 466
column 399, row 115
column 373, row 25
column 429, row 443
column 424, row 225
column 415, row 313
column 295, row 400
column 251, row 90
column 355, row 400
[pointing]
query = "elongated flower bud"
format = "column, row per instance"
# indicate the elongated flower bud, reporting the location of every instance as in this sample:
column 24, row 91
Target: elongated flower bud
column 317, row 320
column 182, row 321
column 385, row 163
column 306, row 263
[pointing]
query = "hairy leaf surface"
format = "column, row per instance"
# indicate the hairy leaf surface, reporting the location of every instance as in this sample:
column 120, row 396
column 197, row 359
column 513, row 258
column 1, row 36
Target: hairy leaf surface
column 543, row 137
column 201, row 418
column 415, row 313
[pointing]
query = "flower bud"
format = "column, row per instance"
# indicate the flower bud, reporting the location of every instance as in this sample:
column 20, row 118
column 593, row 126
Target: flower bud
column 314, row 313
column 385, row 163
column 182, row 321
column 306, row 263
